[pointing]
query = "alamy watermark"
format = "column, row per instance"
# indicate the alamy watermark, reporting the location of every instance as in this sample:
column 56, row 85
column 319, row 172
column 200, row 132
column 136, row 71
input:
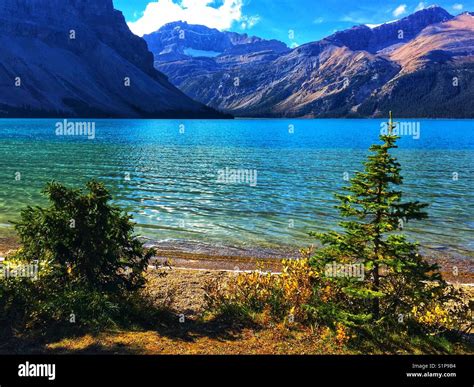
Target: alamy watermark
column 403, row 128
column 18, row 271
column 237, row 176
column 339, row 270
column 31, row 370
column 76, row 128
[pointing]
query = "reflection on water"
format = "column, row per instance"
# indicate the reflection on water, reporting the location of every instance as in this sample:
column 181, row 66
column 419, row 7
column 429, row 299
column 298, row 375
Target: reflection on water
column 165, row 173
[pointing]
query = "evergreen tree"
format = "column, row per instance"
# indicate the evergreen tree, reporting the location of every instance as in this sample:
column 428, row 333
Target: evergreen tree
column 395, row 275
column 88, row 240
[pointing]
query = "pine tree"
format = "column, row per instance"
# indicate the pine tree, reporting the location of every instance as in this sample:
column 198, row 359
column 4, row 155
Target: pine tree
column 396, row 276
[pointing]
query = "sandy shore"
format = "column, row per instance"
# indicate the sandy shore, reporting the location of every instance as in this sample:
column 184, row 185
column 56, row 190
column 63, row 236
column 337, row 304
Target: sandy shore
column 227, row 263
column 7, row 244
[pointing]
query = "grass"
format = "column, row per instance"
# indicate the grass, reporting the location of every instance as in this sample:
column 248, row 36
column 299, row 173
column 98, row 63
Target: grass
column 201, row 338
column 201, row 333
column 383, row 342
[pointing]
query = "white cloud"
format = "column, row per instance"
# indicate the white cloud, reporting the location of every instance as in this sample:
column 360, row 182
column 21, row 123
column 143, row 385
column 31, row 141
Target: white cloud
column 160, row 12
column 318, row 20
column 400, row 10
column 352, row 19
column 421, row 5
column 247, row 22
column 458, row 7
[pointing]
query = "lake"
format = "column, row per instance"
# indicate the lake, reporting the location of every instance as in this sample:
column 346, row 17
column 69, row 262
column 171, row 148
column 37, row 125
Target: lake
column 241, row 185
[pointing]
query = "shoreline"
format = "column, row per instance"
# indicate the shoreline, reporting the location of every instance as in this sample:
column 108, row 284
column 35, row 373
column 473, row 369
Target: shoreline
column 205, row 261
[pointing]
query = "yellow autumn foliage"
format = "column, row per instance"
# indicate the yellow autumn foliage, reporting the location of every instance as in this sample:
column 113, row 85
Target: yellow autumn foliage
column 452, row 312
column 280, row 295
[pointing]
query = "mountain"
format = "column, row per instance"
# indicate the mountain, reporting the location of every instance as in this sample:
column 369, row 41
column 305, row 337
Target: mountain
column 183, row 51
column 394, row 33
column 180, row 41
column 436, row 76
column 78, row 58
column 408, row 65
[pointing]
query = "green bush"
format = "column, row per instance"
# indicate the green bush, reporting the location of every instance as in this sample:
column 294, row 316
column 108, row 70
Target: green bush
column 87, row 240
column 91, row 266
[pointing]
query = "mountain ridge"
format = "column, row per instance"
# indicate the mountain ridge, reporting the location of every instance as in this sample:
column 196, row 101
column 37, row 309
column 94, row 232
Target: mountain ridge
column 67, row 58
column 359, row 72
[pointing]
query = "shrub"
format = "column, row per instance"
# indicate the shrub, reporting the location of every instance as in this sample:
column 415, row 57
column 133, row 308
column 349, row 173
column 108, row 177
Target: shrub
column 91, row 266
column 450, row 312
column 277, row 296
column 87, row 240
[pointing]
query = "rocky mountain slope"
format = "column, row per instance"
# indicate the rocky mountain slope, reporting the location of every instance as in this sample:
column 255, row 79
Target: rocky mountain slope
column 175, row 41
column 393, row 33
column 79, row 58
column 184, row 50
column 436, row 75
column 419, row 66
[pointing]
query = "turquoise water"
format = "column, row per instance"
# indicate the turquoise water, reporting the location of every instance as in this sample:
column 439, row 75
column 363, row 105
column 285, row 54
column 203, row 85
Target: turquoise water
column 173, row 168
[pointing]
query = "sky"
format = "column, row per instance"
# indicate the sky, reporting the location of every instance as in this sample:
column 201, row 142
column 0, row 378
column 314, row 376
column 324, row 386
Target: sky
column 294, row 22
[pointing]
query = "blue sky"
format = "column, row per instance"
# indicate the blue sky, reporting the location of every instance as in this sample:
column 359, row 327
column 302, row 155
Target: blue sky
column 308, row 19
